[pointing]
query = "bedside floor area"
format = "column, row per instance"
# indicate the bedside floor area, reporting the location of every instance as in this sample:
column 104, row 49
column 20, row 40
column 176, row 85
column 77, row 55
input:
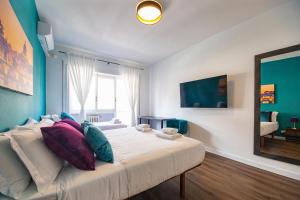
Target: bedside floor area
column 222, row 178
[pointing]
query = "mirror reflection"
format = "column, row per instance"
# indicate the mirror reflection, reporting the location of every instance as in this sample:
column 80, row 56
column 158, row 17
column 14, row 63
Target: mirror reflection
column 280, row 105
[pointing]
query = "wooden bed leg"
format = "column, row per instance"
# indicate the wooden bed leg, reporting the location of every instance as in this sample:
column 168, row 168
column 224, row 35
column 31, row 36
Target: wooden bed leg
column 182, row 185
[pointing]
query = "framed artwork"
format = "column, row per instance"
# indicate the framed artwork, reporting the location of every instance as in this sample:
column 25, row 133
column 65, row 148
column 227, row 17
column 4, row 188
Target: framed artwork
column 16, row 53
column 267, row 94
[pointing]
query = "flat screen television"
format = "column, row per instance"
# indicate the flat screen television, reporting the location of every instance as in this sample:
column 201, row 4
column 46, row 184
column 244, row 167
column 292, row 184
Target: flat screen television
column 204, row 93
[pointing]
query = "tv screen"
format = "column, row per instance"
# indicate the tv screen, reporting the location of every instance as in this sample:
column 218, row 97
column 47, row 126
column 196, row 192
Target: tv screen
column 204, row 93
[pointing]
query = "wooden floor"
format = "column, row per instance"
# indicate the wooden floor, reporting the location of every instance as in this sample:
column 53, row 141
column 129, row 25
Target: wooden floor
column 283, row 148
column 222, row 178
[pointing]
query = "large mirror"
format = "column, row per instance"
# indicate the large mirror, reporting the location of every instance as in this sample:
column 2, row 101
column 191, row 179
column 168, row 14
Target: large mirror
column 277, row 105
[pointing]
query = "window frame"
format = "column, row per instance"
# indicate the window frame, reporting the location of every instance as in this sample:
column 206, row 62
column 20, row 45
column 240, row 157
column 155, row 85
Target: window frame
column 111, row 76
column 97, row 76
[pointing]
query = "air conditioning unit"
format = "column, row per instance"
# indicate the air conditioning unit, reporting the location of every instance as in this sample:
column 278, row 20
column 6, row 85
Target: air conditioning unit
column 45, row 36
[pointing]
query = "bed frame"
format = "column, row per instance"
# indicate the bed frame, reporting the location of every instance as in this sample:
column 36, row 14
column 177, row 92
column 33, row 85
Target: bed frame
column 262, row 138
column 182, row 182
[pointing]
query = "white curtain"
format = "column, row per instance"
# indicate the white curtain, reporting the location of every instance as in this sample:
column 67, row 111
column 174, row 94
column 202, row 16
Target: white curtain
column 81, row 70
column 131, row 78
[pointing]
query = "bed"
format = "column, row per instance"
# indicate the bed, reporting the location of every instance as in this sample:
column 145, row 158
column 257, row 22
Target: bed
column 109, row 125
column 267, row 128
column 142, row 161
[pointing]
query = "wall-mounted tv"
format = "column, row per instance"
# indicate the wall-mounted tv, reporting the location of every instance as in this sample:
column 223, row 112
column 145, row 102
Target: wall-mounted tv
column 204, row 93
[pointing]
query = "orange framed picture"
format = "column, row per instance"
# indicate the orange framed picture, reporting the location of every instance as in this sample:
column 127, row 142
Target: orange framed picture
column 16, row 53
column 267, row 94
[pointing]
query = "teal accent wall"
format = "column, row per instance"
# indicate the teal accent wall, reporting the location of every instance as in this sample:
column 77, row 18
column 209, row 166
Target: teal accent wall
column 285, row 74
column 15, row 107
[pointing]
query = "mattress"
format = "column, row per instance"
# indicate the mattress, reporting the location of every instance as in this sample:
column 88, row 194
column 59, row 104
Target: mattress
column 142, row 161
column 268, row 127
column 109, row 125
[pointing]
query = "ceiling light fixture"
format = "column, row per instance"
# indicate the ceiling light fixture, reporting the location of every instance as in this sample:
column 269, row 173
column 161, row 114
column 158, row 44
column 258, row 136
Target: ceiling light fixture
column 149, row 12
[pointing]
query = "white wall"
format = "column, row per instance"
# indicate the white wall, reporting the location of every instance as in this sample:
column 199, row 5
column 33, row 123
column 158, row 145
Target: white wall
column 228, row 132
column 54, row 85
column 54, row 82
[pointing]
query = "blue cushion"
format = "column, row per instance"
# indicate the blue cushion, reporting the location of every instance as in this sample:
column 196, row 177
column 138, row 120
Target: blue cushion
column 181, row 125
column 265, row 116
column 65, row 115
column 98, row 142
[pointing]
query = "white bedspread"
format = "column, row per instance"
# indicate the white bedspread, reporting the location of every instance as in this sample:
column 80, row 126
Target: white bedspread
column 142, row 160
column 268, row 127
column 150, row 160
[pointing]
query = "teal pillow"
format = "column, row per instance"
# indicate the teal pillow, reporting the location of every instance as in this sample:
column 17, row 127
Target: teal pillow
column 265, row 116
column 65, row 115
column 98, row 142
column 85, row 124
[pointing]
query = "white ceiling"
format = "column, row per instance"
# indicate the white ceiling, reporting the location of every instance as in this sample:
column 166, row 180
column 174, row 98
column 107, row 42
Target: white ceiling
column 109, row 27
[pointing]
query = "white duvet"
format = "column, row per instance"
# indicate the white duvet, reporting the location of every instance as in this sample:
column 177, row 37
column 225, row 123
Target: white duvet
column 268, row 127
column 142, row 161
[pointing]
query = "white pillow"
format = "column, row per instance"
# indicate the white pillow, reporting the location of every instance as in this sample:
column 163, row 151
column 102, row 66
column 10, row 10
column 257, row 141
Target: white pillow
column 55, row 118
column 31, row 125
column 274, row 116
column 14, row 177
column 45, row 122
column 29, row 122
column 46, row 116
column 42, row 164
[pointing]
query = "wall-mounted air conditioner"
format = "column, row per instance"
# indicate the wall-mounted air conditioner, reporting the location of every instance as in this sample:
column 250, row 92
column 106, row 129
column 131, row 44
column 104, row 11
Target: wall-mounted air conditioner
column 45, row 36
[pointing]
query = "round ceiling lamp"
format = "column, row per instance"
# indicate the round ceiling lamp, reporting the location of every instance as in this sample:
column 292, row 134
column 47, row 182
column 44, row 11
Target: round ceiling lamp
column 149, row 12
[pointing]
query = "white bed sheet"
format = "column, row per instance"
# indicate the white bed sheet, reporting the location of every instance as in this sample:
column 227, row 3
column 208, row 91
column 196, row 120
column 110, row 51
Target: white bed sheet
column 268, row 127
column 142, row 161
column 108, row 181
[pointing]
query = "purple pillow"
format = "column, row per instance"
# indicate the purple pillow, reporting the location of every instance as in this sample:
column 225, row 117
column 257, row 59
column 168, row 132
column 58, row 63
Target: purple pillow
column 69, row 144
column 73, row 123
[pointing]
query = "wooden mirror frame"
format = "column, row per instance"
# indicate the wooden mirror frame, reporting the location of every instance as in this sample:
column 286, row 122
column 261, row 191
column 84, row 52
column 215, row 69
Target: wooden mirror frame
column 258, row 59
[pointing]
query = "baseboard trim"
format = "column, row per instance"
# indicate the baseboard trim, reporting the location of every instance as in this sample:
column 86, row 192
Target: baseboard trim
column 252, row 163
column 275, row 137
column 279, row 137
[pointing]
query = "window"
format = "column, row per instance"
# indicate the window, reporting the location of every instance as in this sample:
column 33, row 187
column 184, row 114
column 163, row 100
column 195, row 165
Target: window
column 122, row 104
column 102, row 95
column 107, row 94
